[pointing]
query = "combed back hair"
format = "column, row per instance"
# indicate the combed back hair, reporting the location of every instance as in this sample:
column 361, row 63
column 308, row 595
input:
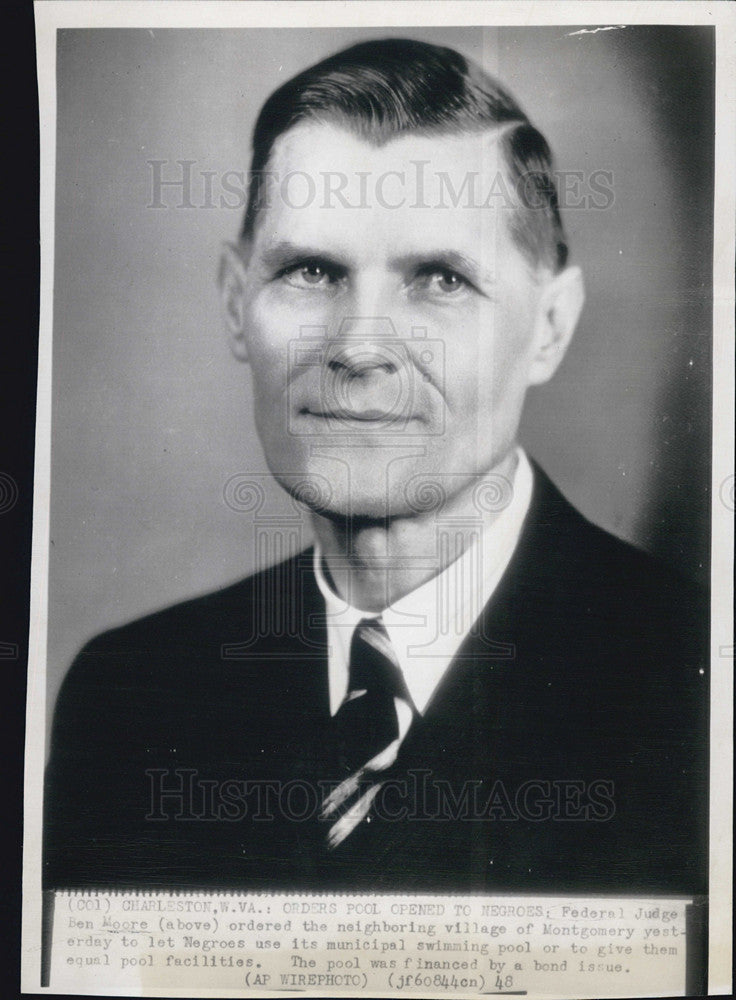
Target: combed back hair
column 382, row 89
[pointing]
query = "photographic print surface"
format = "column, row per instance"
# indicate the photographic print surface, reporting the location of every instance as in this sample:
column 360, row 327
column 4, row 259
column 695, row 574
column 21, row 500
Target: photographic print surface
column 381, row 507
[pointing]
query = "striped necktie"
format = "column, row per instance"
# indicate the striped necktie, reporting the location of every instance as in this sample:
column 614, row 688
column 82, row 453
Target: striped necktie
column 369, row 727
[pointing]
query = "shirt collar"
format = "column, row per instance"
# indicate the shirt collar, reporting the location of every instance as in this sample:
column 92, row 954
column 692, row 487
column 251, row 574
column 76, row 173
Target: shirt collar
column 428, row 625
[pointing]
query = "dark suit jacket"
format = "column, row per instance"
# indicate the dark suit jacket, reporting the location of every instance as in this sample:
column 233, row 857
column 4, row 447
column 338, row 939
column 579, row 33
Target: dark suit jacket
column 565, row 749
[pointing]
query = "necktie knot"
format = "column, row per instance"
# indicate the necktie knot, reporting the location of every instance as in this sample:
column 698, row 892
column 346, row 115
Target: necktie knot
column 373, row 664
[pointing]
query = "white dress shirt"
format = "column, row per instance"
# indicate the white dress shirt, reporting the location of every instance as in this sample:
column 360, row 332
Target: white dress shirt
column 428, row 625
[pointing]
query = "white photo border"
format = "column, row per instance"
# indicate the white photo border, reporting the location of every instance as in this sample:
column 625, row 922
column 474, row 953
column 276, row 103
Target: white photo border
column 52, row 15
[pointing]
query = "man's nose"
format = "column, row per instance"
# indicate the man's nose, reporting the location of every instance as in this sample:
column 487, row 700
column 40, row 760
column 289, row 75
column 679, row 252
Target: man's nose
column 364, row 344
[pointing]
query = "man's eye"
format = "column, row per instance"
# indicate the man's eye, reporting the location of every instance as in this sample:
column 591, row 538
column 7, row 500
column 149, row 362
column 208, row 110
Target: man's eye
column 442, row 281
column 311, row 274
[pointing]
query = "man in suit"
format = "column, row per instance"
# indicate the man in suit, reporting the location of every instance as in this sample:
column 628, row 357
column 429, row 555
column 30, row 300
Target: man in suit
column 463, row 685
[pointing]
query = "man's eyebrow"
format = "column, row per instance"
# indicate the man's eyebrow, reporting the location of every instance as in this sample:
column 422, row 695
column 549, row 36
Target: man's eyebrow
column 454, row 260
column 285, row 252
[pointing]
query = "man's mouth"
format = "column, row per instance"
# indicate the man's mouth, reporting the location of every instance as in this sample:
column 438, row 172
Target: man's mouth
column 344, row 414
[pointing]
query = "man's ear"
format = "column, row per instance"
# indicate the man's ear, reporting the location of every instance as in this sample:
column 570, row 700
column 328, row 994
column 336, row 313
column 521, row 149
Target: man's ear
column 231, row 279
column 560, row 305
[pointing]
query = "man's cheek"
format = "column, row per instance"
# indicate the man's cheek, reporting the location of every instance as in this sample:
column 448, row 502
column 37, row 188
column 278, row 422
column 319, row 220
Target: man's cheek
column 271, row 314
column 268, row 345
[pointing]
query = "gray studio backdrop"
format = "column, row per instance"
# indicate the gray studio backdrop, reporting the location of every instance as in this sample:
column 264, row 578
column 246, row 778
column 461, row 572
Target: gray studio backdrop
column 151, row 414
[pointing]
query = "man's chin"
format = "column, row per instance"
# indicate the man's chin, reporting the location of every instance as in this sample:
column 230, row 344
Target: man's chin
column 333, row 502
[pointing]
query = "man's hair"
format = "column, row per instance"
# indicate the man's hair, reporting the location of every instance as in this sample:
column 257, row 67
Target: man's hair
column 381, row 89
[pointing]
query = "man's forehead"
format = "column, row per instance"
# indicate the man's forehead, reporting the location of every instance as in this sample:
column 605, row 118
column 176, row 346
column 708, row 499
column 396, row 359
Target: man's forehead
column 325, row 146
column 329, row 185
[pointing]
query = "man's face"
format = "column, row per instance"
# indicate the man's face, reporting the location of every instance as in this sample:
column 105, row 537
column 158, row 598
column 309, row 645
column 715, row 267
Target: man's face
column 391, row 345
